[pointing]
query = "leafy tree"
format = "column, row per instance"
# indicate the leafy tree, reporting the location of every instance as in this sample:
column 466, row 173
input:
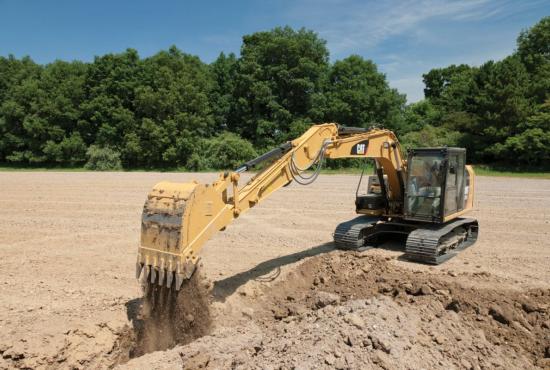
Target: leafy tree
column 501, row 102
column 103, row 159
column 532, row 144
column 430, row 136
column 42, row 109
column 534, row 52
column 534, row 45
column 540, row 119
column 499, row 107
column 279, row 74
column 152, row 110
column 227, row 151
column 529, row 147
column 108, row 111
column 174, row 107
column 224, row 69
column 419, row 114
column 71, row 150
column 358, row 95
column 449, row 87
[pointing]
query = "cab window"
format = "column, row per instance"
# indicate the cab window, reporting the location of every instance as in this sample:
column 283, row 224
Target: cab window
column 424, row 185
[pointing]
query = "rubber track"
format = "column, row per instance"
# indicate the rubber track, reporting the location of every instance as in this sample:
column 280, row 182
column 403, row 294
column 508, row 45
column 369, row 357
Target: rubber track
column 348, row 234
column 422, row 244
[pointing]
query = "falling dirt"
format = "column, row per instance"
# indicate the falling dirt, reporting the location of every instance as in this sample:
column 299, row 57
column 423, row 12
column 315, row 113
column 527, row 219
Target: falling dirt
column 165, row 317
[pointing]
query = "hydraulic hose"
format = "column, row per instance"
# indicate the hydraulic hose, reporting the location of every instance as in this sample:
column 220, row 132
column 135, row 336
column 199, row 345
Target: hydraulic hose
column 297, row 171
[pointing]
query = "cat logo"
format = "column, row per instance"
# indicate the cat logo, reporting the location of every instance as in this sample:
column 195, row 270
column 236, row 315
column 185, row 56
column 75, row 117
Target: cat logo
column 360, row 148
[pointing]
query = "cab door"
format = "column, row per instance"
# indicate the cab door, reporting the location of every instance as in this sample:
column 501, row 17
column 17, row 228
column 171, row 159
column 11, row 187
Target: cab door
column 451, row 184
column 425, row 188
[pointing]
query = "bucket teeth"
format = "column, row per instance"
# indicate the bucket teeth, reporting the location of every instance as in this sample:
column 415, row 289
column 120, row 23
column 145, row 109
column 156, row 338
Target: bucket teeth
column 153, row 274
column 179, row 280
column 161, row 276
column 169, row 278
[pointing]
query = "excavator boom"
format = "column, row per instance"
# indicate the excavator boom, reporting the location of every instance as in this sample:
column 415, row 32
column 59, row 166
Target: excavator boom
column 178, row 218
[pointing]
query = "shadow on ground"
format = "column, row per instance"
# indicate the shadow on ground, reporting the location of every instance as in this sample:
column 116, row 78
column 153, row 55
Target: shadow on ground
column 269, row 270
column 266, row 271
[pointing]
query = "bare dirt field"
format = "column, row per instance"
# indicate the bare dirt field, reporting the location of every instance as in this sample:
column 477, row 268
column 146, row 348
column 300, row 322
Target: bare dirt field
column 272, row 293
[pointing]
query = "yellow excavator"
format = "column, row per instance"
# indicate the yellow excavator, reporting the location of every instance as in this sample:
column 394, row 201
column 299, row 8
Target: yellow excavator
column 421, row 198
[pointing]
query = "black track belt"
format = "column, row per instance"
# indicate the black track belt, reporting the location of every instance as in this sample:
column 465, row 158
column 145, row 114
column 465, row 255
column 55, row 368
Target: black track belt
column 424, row 244
column 348, row 235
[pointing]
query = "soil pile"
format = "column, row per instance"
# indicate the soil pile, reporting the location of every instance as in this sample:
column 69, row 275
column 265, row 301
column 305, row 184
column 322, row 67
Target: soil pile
column 355, row 311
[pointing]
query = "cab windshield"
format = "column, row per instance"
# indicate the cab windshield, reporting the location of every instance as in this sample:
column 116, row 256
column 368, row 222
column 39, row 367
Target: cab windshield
column 424, row 185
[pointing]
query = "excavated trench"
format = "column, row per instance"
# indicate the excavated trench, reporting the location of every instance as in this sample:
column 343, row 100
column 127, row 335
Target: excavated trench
column 164, row 318
column 348, row 310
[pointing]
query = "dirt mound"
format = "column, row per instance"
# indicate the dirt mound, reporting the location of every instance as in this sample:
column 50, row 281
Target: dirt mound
column 347, row 310
column 506, row 327
column 165, row 317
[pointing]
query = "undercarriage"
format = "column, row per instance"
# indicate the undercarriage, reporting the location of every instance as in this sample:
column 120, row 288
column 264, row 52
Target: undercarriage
column 426, row 243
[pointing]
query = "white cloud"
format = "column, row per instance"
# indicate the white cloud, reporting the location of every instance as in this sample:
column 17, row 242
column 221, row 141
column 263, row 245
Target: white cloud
column 352, row 25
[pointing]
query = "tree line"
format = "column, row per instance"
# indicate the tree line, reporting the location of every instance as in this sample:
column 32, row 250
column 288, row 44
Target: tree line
column 173, row 110
column 499, row 111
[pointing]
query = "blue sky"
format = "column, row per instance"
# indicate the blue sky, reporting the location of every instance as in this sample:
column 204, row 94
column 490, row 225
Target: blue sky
column 404, row 37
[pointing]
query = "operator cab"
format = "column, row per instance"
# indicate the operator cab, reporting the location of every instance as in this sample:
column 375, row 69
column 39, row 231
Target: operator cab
column 437, row 184
column 436, row 187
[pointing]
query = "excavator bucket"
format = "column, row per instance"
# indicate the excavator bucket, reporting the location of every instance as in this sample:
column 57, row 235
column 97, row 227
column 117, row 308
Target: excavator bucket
column 159, row 256
column 170, row 236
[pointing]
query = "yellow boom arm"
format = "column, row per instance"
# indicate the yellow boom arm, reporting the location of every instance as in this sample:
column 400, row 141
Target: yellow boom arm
column 178, row 218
